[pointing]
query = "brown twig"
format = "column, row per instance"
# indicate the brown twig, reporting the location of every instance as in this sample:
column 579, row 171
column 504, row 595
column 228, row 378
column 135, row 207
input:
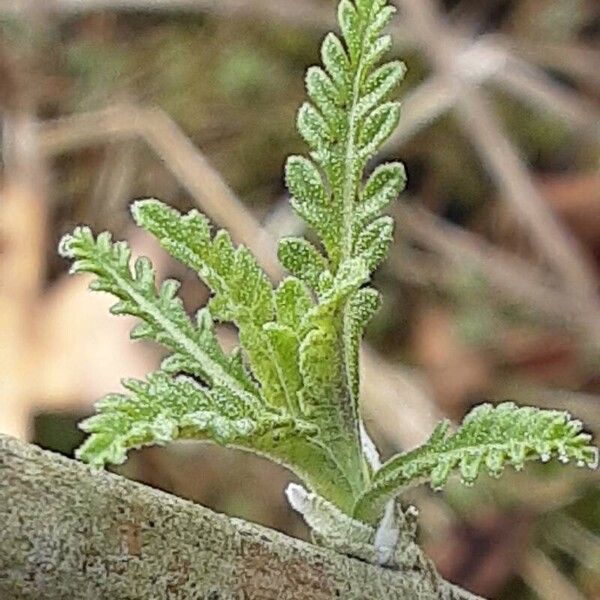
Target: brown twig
column 421, row 107
column 573, row 59
column 533, row 86
column 542, row 576
column 306, row 13
column 179, row 155
column 516, row 279
column 518, row 190
column 443, row 48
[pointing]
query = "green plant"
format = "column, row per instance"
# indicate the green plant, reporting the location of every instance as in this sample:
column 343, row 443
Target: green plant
column 291, row 392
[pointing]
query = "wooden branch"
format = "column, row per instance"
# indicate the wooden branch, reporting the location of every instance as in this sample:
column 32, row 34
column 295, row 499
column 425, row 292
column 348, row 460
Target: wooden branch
column 70, row 532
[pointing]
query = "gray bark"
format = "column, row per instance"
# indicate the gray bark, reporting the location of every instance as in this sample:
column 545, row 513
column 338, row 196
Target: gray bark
column 71, row 532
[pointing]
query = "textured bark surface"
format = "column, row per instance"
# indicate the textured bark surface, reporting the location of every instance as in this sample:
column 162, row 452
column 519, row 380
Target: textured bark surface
column 69, row 532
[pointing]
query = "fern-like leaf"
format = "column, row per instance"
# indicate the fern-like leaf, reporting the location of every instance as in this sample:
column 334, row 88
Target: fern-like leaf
column 326, row 396
column 489, row 439
column 292, row 303
column 162, row 409
column 228, row 404
column 361, row 308
column 346, row 121
column 305, row 262
column 242, row 293
column 163, row 317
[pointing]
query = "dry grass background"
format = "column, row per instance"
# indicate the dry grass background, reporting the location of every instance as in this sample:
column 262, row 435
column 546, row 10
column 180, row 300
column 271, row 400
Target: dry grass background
column 491, row 291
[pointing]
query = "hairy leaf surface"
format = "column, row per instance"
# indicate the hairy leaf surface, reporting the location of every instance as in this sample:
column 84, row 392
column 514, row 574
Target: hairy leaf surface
column 489, row 439
column 195, row 348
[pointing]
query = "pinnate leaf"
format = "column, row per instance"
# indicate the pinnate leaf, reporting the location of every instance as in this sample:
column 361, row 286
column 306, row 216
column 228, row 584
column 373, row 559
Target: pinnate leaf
column 383, row 187
column 303, row 260
column 242, row 292
column 160, row 410
column 337, row 63
column 293, row 302
column 195, row 348
column 378, row 127
column 380, row 84
column 374, row 241
column 489, row 439
column 361, row 308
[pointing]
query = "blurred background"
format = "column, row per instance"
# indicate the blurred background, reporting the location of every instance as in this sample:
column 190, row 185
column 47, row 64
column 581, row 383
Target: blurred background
column 491, row 291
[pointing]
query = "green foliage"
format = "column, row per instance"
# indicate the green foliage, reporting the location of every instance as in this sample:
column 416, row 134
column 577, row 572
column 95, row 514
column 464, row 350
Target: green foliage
column 291, row 390
column 234, row 410
column 346, row 121
column 194, row 347
column 242, row 293
column 163, row 409
column 489, row 439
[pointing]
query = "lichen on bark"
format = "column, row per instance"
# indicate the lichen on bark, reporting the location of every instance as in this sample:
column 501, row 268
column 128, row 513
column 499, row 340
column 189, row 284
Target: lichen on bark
column 71, row 532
